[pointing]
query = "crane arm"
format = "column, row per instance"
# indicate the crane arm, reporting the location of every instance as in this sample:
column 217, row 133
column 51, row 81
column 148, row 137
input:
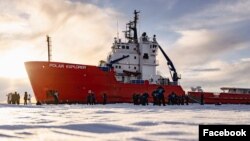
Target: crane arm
column 116, row 60
column 171, row 67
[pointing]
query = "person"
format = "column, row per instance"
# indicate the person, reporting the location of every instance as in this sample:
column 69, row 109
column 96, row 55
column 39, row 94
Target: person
column 55, row 95
column 134, row 98
column 88, row 99
column 160, row 91
column 202, row 98
column 154, row 95
column 18, row 98
column 25, row 98
column 137, row 99
column 182, row 99
column 9, row 95
column 93, row 98
column 170, row 102
column 145, row 98
column 178, row 100
column 142, row 100
column 173, row 98
column 187, row 99
column 14, row 98
column 29, row 98
column 104, row 99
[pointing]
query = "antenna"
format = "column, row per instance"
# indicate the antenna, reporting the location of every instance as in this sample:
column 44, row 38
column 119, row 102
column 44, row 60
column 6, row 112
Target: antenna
column 117, row 25
column 49, row 48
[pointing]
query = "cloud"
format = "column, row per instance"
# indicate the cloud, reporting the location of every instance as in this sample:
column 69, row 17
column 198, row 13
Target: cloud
column 245, row 59
column 81, row 33
column 199, row 46
column 214, row 14
column 210, row 49
column 63, row 20
column 207, row 51
column 206, row 69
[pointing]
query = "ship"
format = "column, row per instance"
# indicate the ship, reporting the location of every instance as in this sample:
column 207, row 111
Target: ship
column 129, row 69
column 229, row 95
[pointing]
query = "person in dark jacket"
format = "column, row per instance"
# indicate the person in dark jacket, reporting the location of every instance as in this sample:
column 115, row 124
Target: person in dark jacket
column 154, row 95
column 25, row 98
column 134, row 98
column 145, row 96
column 142, row 100
column 104, row 99
column 160, row 91
column 170, row 99
column 202, row 98
column 187, row 99
column 93, row 99
column 182, row 99
column 89, row 97
column 137, row 99
column 18, row 98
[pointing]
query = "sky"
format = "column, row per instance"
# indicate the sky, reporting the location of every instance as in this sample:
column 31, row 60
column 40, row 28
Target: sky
column 208, row 41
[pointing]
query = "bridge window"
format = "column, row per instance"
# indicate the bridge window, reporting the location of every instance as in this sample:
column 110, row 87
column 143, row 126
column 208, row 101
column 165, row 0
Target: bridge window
column 127, row 47
column 123, row 47
column 135, row 68
column 119, row 67
column 134, row 57
column 145, row 56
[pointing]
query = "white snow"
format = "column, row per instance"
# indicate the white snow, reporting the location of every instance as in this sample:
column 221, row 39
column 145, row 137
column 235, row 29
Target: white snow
column 113, row 122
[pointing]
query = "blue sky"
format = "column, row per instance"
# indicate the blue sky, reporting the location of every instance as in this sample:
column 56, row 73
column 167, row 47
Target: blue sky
column 208, row 41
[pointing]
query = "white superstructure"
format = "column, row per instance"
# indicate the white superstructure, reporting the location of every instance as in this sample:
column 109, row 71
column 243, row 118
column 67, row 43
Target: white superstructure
column 134, row 60
column 141, row 61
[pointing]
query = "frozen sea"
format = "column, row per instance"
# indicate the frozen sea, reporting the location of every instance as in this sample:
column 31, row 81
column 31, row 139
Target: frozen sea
column 114, row 122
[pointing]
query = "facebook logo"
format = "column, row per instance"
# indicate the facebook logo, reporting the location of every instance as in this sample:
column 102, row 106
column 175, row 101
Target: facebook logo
column 224, row 132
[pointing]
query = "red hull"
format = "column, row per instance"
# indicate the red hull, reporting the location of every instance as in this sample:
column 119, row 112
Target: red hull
column 73, row 82
column 222, row 98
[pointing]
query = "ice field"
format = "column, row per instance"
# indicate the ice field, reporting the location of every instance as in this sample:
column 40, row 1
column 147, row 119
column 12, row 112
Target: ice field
column 114, row 122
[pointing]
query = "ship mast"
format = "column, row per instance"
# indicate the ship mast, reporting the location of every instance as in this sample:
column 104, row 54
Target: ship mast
column 132, row 26
column 135, row 26
column 49, row 48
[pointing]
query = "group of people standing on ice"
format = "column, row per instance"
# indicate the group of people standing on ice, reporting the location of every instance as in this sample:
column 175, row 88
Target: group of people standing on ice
column 159, row 98
column 91, row 99
column 174, row 99
column 140, row 99
column 143, row 99
column 14, row 98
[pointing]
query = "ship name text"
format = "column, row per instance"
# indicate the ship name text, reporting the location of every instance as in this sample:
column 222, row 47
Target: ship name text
column 62, row 66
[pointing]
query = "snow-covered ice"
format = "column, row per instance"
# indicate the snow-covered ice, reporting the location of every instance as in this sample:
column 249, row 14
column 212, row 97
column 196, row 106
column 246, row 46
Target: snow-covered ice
column 114, row 122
